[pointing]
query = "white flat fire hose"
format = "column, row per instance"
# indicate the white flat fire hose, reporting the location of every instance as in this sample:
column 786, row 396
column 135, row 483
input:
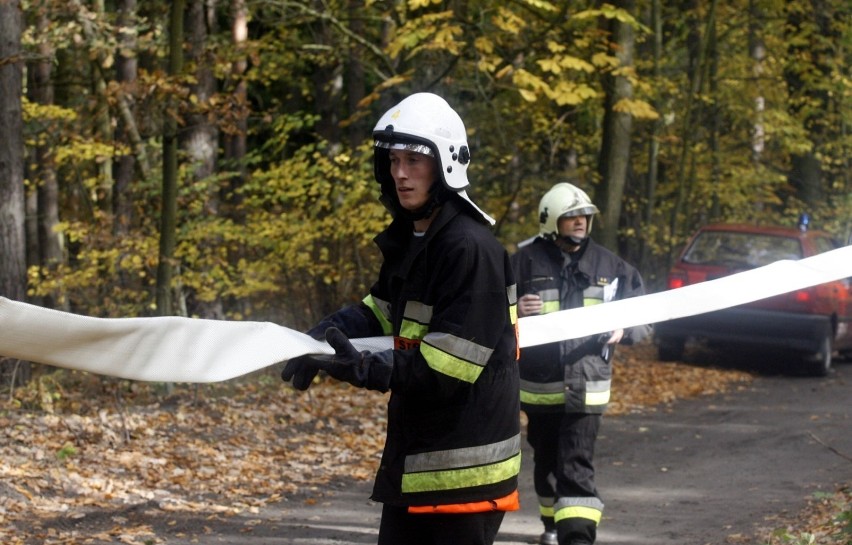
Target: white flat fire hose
column 173, row 349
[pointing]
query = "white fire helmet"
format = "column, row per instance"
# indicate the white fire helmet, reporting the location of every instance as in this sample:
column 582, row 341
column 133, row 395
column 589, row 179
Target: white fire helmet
column 425, row 123
column 563, row 200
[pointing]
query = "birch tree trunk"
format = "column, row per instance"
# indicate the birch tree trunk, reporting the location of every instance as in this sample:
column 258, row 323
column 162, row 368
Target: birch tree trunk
column 199, row 140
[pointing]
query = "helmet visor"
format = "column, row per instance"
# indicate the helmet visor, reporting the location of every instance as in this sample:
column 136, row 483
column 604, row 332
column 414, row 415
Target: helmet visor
column 583, row 211
column 405, row 146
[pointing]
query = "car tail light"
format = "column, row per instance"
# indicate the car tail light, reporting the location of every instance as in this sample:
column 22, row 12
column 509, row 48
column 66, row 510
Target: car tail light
column 676, row 282
column 802, row 296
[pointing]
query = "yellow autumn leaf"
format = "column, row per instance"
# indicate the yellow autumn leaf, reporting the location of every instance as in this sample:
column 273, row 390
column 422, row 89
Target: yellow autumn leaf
column 569, row 93
column 522, row 78
column 575, row 63
column 550, row 65
column 527, row 95
column 417, row 4
column 604, row 60
column 484, row 45
column 504, row 71
column 508, row 22
column 638, row 109
column 555, row 47
column 540, row 4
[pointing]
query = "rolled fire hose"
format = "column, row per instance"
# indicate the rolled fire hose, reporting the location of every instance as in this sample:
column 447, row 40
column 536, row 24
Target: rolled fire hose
column 174, row 349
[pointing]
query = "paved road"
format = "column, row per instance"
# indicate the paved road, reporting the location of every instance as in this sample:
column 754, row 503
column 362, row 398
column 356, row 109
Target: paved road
column 696, row 473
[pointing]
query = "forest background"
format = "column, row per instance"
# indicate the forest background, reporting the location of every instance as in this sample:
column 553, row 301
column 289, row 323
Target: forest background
column 213, row 158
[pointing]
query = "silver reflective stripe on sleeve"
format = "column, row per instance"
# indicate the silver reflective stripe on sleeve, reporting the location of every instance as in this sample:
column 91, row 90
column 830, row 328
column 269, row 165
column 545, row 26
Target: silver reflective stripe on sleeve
column 454, row 356
column 512, row 294
column 415, row 320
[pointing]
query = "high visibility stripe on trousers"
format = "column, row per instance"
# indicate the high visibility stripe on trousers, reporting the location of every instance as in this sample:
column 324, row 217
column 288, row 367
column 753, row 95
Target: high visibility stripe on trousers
column 579, row 507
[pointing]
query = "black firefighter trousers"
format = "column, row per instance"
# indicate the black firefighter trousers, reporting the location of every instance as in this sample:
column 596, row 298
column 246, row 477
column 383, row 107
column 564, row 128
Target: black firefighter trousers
column 563, row 453
column 399, row 527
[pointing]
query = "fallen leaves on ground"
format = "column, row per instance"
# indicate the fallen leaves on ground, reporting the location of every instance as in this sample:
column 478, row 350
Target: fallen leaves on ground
column 72, row 443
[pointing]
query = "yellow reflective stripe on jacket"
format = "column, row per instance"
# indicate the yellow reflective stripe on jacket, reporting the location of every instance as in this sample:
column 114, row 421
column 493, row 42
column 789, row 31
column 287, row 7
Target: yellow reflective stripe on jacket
column 381, row 309
column 454, row 356
column 553, row 393
column 586, row 508
column 597, row 392
column 593, row 295
column 462, row 468
column 549, row 300
column 549, row 306
column 512, row 297
column 412, row 330
column 537, row 393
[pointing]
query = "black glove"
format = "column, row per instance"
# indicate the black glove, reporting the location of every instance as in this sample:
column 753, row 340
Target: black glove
column 361, row 369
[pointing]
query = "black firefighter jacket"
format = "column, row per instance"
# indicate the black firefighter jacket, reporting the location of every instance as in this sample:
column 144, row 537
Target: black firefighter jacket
column 449, row 299
column 572, row 375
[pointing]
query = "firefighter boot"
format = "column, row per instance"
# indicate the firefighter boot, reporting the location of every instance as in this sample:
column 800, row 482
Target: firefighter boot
column 549, row 536
column 576, row 531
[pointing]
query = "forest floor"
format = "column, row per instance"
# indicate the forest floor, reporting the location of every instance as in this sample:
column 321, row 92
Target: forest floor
column 73, row 445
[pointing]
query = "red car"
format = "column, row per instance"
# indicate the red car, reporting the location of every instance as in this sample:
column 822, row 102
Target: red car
column 813, row 323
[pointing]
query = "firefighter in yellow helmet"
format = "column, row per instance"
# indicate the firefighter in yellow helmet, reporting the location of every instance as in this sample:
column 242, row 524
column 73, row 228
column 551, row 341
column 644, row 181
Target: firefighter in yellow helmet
column 447, row 295
column 565, row 386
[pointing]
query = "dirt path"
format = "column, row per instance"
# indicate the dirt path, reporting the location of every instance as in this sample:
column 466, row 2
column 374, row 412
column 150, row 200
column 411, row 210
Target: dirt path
column 706, row 471
column 710, row 470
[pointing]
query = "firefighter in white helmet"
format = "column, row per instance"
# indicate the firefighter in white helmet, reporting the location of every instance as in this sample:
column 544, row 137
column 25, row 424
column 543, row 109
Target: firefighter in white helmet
column 565, row 386
column 447, row 295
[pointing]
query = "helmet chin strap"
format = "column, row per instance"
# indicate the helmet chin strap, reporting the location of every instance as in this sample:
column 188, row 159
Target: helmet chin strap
column 571, row 244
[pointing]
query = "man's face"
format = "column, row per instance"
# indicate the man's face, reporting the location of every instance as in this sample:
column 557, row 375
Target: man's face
column 576, row 226
column 413, row 174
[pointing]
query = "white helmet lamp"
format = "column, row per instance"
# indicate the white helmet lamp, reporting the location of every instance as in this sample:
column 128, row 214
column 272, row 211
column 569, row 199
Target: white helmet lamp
column 425, row 123
column 564, row 200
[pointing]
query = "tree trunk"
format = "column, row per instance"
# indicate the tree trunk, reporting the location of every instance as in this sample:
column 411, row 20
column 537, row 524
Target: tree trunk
column 654, row 137
column 50, row 243
column 168, row 209
column 714, row 127
column 13, row 275
column 356, row 80
column 235, row 139
column 126, row 68
column 105, row 132
column 200, row 138
column 686, row 164
column 617, row 130
column 808, row 102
